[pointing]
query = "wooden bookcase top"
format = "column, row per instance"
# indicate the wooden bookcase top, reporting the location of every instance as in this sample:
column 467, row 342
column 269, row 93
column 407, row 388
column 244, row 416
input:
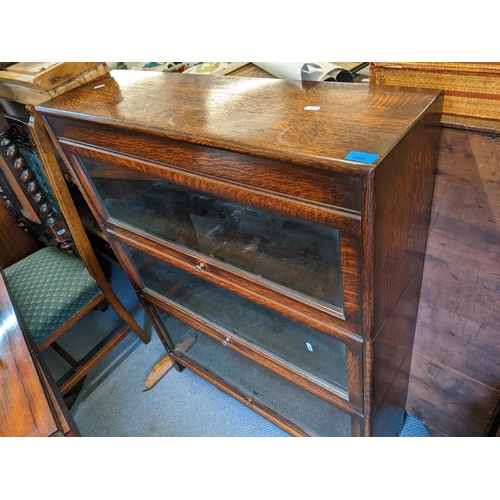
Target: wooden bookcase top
column 258, row 116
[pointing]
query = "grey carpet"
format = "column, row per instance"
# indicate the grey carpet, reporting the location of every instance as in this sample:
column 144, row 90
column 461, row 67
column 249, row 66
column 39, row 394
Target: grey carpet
column 413, row 428
column 113, row 402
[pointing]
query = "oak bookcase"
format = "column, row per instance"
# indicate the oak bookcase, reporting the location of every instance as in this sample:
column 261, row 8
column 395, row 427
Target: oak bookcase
column 276, row 228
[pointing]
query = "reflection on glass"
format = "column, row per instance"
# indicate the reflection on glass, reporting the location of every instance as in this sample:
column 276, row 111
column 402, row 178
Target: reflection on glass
column 305, row 348
column 260, row 384
column 293, row 253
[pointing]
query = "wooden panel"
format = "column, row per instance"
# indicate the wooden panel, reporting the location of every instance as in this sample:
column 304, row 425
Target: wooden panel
column 246, row 69
column 470, row 158
column 471, row 242
column 34, row 83
column 15, row 244
column 460, row 343
column 60, row 73
column 201, row 111
column 457, row 67
column 403, row 187
column 472, row 206
column 45, row 75
column 22, row 78
column 465, row 288
column 337, row 189
column 447, row 400
column 22, row 93
column 455, row 374
column 30, row 68
column 389, row 417
column 393, row 346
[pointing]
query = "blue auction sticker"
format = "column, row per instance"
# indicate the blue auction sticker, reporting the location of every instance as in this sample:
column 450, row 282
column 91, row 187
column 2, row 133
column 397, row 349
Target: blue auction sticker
column 361, row 157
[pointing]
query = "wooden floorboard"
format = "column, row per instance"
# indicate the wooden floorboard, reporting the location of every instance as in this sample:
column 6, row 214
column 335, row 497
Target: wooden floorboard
column 455, row 372
column 447, row 400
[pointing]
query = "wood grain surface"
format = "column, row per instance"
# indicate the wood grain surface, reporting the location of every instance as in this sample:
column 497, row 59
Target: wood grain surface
column 34, row 83
column 343, row 190
column 15, row 244
column 402, row 208
column 201, row 111
column 455, row 373
column 252, row 141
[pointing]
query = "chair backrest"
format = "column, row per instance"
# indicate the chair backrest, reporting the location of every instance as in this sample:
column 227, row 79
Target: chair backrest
column 25, row 189
column 24, row 192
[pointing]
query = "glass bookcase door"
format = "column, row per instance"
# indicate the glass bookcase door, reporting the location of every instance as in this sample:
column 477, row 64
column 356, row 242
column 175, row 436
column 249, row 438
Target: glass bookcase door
column 306, row 349
column 290, row 252
column 311, row 413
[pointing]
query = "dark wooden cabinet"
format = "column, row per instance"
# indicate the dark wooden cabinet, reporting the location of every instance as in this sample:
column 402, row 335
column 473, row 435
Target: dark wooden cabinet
column 281, row 226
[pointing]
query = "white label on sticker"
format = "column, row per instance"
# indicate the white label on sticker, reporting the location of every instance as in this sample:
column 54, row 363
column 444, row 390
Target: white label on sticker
column 309, row 347
column 312, row 108
column 61, row 231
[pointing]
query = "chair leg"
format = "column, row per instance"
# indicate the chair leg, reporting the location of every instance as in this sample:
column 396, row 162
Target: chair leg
column 103, row 305
column 70, row 396
column 83, row 370
column 125, row 315
column 69, row 359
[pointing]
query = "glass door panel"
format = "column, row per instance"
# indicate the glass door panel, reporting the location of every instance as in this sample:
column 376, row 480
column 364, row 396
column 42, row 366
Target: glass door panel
column 306, row 349
column 260, row 384
column 293, row 253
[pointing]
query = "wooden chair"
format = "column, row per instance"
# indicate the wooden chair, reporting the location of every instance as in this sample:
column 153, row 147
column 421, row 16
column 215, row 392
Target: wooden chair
column 53, row 290
column 57, row 285
column 30, row 405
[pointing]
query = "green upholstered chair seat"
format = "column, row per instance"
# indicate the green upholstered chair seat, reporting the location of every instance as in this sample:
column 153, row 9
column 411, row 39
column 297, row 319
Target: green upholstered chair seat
column 50, row 287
